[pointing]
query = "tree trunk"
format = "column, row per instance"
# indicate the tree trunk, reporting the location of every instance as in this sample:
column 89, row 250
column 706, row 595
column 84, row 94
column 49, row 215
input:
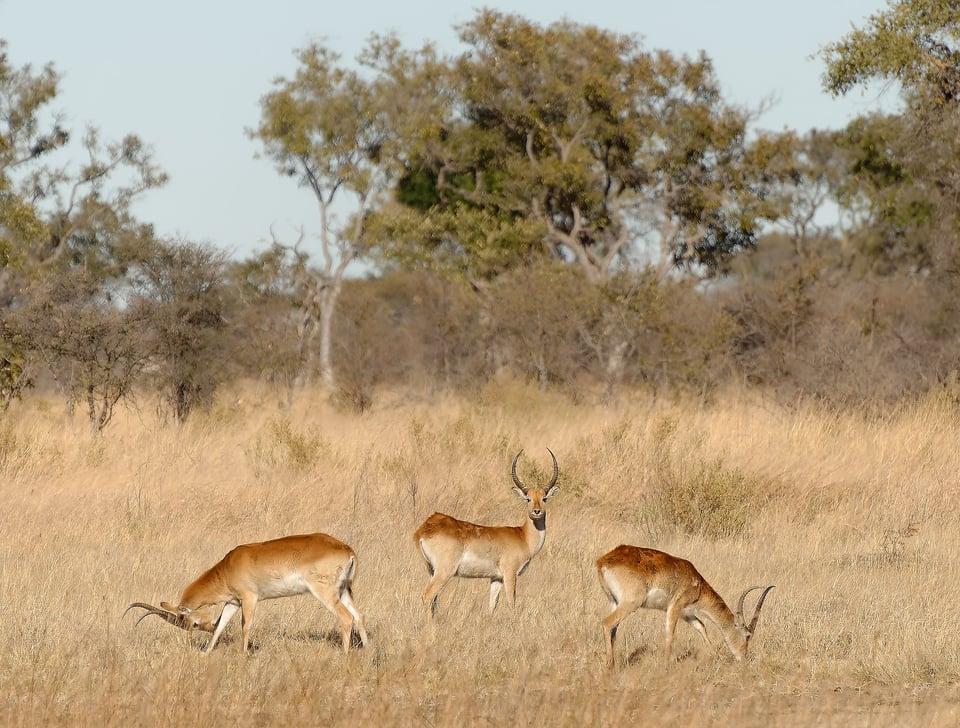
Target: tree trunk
column 327, row 308
column 616, row 365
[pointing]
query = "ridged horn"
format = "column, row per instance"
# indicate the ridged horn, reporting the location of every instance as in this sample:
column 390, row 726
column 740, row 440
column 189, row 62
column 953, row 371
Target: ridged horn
column 556, row 472
column 548, row 486
column 513, row 472
column 171, row 617
column 756, row 612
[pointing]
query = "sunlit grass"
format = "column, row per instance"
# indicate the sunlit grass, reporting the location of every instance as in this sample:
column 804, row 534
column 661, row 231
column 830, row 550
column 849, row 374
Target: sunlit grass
column 855, row 519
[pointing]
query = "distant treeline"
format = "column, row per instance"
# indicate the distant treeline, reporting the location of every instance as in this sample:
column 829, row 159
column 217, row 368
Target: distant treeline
column 556, row 203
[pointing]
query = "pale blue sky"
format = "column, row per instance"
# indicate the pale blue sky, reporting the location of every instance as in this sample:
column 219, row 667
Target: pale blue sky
column 187, row 78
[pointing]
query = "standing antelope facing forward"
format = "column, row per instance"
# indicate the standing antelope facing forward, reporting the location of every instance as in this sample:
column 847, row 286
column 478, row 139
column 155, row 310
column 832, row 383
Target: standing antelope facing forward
column 284, row 567
column 634, row 577
column 452, row 547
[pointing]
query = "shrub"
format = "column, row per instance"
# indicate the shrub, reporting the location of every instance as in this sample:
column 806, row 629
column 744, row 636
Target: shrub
column 698, row 496
column 707, row 498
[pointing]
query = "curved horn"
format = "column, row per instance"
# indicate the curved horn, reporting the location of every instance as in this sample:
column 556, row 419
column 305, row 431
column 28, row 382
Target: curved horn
column 556, row 472
column 744, row 596
column 756, row 613
column 172, row 618
column 513, row 471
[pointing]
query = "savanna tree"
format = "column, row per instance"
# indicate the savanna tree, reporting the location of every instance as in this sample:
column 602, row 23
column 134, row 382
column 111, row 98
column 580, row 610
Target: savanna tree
column 65, row 227
column 324, row 129
column 180, row 293
column 907, row 162
column 570, row 142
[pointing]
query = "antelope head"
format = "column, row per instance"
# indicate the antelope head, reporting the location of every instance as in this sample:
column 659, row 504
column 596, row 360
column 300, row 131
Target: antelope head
column 536, row 497
column 204, row 618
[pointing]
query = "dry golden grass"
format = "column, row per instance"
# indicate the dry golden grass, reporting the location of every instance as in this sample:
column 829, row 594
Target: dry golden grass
column 854, row 519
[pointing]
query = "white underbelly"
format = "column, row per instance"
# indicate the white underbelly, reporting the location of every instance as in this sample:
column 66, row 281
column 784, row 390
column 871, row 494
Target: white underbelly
column 478, row 566
column 656, row 599
column 285, row 586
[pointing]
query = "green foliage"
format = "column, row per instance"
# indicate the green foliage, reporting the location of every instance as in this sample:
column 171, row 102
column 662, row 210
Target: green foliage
column 530, row 202
column 892, row 189
column 914, row 42
column 321, row 126
column 66, row 235
column 478, row 244
column 557, row 141
column 327, row 128
column 21, row 224
column 25, row 94
column 23, row 142
column 417, row 189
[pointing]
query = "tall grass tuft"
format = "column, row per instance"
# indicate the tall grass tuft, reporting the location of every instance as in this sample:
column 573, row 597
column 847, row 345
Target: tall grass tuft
column 697, row 494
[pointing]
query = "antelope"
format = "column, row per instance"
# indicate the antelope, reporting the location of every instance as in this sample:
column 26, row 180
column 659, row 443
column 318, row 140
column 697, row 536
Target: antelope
column 634, row 577
column 452, row 547
column 284, row 567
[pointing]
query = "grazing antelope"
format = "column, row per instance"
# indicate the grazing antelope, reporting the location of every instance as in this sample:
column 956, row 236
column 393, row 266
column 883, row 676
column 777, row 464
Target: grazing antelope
column 452, row 547
column 634, row 577
column 284, row 567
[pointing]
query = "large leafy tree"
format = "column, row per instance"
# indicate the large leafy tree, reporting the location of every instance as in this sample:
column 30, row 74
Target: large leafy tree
column 571, row 142
column 564, row 143
column 906, row 164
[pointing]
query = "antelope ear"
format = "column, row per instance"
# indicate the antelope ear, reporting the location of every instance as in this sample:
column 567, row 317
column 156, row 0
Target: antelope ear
column 168, row 606
column 521, row 494
column 552, row 492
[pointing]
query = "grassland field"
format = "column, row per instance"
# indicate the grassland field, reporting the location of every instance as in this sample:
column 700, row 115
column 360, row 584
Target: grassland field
column 855, row 517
